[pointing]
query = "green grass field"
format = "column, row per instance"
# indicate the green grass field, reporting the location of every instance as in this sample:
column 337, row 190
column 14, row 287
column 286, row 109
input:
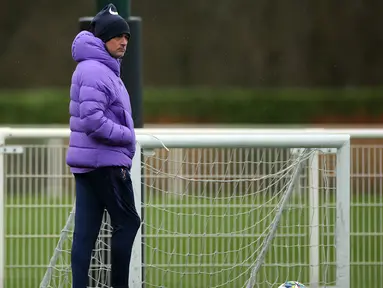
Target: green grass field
column 225, row 260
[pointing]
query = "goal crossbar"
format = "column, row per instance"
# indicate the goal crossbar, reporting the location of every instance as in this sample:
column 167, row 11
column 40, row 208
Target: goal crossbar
column 152, row 138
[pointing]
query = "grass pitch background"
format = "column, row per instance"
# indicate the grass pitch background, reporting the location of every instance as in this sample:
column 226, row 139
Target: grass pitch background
column 27, row 255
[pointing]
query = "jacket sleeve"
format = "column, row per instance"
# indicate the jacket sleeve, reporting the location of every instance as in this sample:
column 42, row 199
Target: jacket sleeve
column 93, row 103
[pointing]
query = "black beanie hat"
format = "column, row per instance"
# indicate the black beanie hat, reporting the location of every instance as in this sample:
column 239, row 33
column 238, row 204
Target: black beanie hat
column 107, row 24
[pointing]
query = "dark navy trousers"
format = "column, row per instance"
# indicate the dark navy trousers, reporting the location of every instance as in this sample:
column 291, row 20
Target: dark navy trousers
column 107, row 188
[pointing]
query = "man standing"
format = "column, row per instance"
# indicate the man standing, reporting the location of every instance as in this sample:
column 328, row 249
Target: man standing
column 101, row 146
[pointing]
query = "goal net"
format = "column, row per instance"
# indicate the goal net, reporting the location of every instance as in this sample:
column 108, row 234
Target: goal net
column 224, row 217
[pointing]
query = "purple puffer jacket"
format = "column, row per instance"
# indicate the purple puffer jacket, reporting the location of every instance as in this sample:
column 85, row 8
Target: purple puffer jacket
column 101, row 124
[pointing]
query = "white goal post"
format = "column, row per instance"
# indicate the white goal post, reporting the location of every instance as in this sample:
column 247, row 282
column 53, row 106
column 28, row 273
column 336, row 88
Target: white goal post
column 148, row 140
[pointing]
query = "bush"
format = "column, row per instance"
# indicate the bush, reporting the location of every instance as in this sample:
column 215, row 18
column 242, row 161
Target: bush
column 204, row 105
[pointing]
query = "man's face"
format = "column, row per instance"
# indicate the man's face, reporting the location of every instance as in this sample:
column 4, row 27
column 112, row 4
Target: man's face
column 117, row 46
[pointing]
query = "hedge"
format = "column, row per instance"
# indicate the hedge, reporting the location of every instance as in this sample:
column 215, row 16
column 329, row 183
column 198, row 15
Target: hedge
column 205, row 105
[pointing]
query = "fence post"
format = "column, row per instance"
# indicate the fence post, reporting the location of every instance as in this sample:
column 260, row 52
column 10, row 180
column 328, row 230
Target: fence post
column 314, row 216
column 3, row 150
column 2, row 214
column 4, row 133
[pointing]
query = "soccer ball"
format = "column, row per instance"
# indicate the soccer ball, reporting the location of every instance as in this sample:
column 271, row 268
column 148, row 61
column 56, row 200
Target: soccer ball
column 292, row 284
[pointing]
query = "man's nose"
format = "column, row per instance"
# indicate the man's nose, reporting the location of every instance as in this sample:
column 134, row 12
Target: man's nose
column 124, row 41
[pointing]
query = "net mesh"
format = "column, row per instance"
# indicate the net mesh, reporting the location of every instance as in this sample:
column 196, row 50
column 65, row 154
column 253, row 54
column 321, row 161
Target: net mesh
column 207, row 219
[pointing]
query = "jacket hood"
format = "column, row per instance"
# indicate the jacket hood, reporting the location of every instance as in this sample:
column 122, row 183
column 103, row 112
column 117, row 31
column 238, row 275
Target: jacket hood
column 86, row 46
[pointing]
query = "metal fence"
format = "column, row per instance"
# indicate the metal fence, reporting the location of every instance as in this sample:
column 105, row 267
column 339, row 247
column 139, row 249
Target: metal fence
column 191, row 219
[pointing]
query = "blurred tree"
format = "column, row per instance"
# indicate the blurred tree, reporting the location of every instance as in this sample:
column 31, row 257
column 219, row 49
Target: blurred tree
column 215, row 42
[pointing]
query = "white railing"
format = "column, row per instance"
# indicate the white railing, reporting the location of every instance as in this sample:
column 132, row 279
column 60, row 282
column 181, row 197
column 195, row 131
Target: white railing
column 176, row 138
